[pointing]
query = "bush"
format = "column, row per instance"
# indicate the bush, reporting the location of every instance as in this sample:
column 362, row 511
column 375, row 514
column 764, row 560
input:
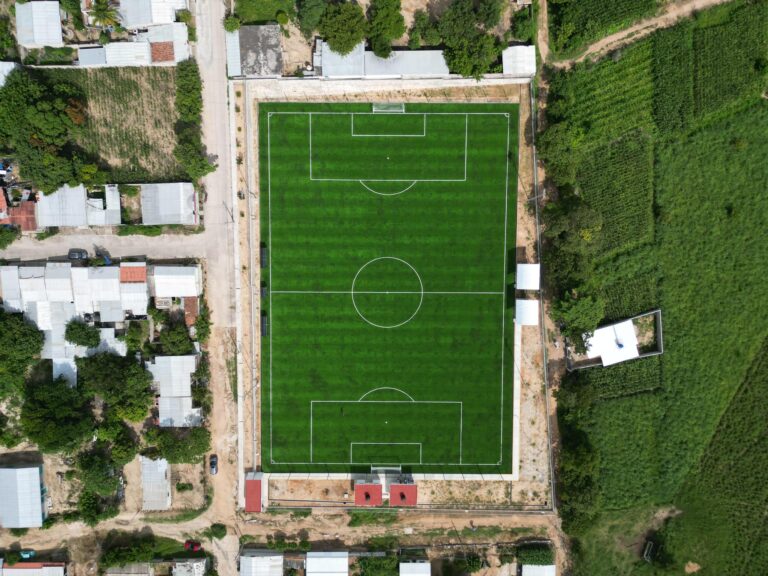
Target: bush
column 378, row 566
column 139, row 230
column 203, row 322
column 387, row 24
column 130, row 190
column 175, row 340
column 343, row 26
column 535, row 555
column 80, row 333
column 19, row 532
column 97, row 471
column 371, row 517
column 282, row 18
column 310, row 13
column 183, row 487
column 232, row 23
column 136, row 335
column 11, row 557
column 217, row 531
column 92, row 509
column 8, row 235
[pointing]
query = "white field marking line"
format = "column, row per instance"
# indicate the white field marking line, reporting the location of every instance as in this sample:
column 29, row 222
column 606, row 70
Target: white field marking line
column 352, row 447
column 387, row 388
column 386, row 292
column 363, row 182
column 504, row 298
column 466, row 144
column 506, row 214
column 422, row 135
column 312, row 439
column 421, row 292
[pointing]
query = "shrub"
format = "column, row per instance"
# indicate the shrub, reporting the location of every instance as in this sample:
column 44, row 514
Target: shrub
column 282, row 18
column 343, row 26
column 19, row 532
column 130, row 190
column 136, row 335
column 131, row 400
column 232, row 23
column 183, row 487
column 203, row 322
column 139, row 230
column 175, row 340
column 217, row 531
column 80, row 333
column 8, row 235
column 97, row 471
column 368, row 517
column 310, row 13
column 535, row 555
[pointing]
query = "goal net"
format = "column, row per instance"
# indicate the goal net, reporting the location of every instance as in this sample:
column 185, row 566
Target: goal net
column 389, row 108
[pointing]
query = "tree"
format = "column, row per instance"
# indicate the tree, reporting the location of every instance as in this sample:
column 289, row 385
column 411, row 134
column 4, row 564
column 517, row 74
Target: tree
column 93, row 509
column 8, row 235
column 310, row 13
column 175, row 340
column 203, row 322
column 217, row 531
column 232, row 23
column 55, row 416
column 180, row 445
column 104, row 14
column 189, row 152
column 581, row 315
column 123, row 442
column 80, row 333
column 489, row 12
column 343, row 26
column 387, row 24
column 97, row 471
column 469, row 50
column 20, row 343
column 131, row 399
column 189, row 92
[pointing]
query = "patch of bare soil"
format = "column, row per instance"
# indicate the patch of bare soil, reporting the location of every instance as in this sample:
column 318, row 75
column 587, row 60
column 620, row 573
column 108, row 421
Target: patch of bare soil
column 133, row 491
column 131, row 208
column 295, row 492
column 465, row 492
column 193, row 474
column 297, row 50
column 692, row 567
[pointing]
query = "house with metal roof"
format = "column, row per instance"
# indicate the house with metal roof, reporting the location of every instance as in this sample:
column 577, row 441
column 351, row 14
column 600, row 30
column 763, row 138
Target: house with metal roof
column 155, row 484
column 32, row 569
column 38, row 24
column 21, row 505
column 172, row 377
column 136, row 14
column 519, row 61
column 327, row 564
column 261, row 563
column 362, row 63
column 176, row 281
column 190, row 567
column 169, row 203
column 547, row 570
column 75, row 207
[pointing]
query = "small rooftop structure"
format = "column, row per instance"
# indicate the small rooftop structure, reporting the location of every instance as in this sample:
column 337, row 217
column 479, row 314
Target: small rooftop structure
column 127, row 54
column 169, row 43
column 21, row 505
column 155, row 484
column 144, row 13
column 528, row 277
column 361, row 63
column 23, row 214
column 5, row 69
column 526, row 312
column 173, row 377
column 38, row 24
column 368, row 494
column 403, row 495
column 519, row 61
column 261, row 563
column 255, row 51
column 70, row 206
column 613, row 344
column 327, row 564
column 176, row 281
column 549, row 570
column 253, row 493
column 415, row 569
column 190, row 567
column 132, row 569
column 172, row 203
column 32, row 569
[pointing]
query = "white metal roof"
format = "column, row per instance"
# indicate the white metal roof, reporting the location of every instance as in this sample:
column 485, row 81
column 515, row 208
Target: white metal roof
column 134, row 297
column 32, row 284
column 143, row 13
column 519, row 61
column 155, row 484
column 58, row 284
column 190, row 567
column 613, row 344
column 173, row 374
column 172, row 203
column 44, row 570
column 406, row 63
column 104, row 212
column 38, row 24
column 81, row 289
column 21, row 505
column 415, row 569
column 128, row 54
column 233, row 54
column 527, row 312
column 177, row 412
column 91, row 56
column 336, row 65
column 176, row 281
column 528, row 277
column 10, row 289
column 105, row 283
column 261, row 563
column 64, row 207
column 175, row 32
column 529, row 570
column 328, row 563
column 5, row 69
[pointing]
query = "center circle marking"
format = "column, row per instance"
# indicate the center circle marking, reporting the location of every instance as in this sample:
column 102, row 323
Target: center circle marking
column 421, row 292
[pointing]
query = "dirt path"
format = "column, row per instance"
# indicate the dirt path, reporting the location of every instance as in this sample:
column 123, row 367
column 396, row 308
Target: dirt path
column 542, row 27
column 672, row 13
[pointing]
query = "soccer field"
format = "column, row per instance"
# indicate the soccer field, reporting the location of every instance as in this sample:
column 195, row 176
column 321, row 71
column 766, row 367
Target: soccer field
column 389, row 288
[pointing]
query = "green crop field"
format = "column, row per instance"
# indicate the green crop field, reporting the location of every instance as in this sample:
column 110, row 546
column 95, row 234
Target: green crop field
column 389, row 327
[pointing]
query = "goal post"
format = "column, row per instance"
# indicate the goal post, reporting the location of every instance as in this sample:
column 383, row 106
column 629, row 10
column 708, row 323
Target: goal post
column 388, row 108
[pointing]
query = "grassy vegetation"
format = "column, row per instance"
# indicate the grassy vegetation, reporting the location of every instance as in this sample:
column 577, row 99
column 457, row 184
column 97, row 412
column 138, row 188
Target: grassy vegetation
column 131, row 120
column 254, row 11
column 371, row 517
column 635, row 436
column 445, row 237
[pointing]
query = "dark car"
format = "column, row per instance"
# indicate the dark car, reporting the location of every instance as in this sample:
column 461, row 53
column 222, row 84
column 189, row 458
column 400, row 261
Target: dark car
column 77, row 254
column 193, row 546
column 213, row 464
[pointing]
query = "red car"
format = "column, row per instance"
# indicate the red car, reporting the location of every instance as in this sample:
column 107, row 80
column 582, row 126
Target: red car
column 193, row 546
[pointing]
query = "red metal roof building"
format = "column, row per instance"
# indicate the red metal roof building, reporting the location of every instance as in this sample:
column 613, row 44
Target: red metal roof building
column 133, row 272
column 253, row 492
column 403, row 495
column 368, row 495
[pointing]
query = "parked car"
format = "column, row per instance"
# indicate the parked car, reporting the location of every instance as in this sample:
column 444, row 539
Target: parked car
column 27, row 554
column 213, row 464
column 78, row 254
column 193, row 545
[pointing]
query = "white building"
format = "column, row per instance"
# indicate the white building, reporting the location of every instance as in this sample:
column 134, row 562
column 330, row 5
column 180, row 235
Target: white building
column 519, row 61
column 415, row 569
column 550, row 570
column 176, row 282
column 33, row 569
column 261, row 563
column 172, row 203
column 613, row 344
column 155, row 484
column 327, row 564
column 362, row 63
column 71, row 206
column 173, row 377
column 144, row 13
column 21, row 504
column 38, row 24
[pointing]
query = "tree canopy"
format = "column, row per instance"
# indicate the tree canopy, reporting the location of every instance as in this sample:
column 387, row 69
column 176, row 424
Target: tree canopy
column 121, row 382
column 20, row 343
column 55, row 416
column 180, row 445
column 97, row 471
column 387, row 24
column 80, row 333
column 175, row 340
column 310, row 13
column 470, row 50
column 8, row 235
column 343, row 26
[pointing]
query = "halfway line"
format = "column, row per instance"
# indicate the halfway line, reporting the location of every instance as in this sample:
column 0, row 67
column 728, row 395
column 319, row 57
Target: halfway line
column 378, row 292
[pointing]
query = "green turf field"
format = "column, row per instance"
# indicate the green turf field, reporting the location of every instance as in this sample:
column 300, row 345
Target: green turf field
column 390, row 286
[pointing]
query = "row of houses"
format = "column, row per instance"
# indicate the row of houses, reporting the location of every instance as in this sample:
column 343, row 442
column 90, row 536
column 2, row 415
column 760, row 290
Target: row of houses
column 172, row 203
column 155, row 36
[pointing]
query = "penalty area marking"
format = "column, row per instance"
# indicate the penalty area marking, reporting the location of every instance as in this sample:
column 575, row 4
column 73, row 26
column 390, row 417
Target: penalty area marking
column 387, row 388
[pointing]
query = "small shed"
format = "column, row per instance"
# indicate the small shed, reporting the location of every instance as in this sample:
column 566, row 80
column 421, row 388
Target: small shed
column 415, row 569
column 367, row 494
column 232, row 44
column 403, row 495
column 613, row 344
column 327, row 563
column 169, row 43
column 519, row 61
column 334, row 65
column 528, row 277
column 169, row 203
column 421, row 63
column 38, row 24
column 63, row 208
column 128, row 54
column 176, row 281
column 260, row 52
column 90, row 56
column 143, row 13
column 155, row 484
column 253, row 493
column 261, row 563
column 527, row 312
column 549, row 570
